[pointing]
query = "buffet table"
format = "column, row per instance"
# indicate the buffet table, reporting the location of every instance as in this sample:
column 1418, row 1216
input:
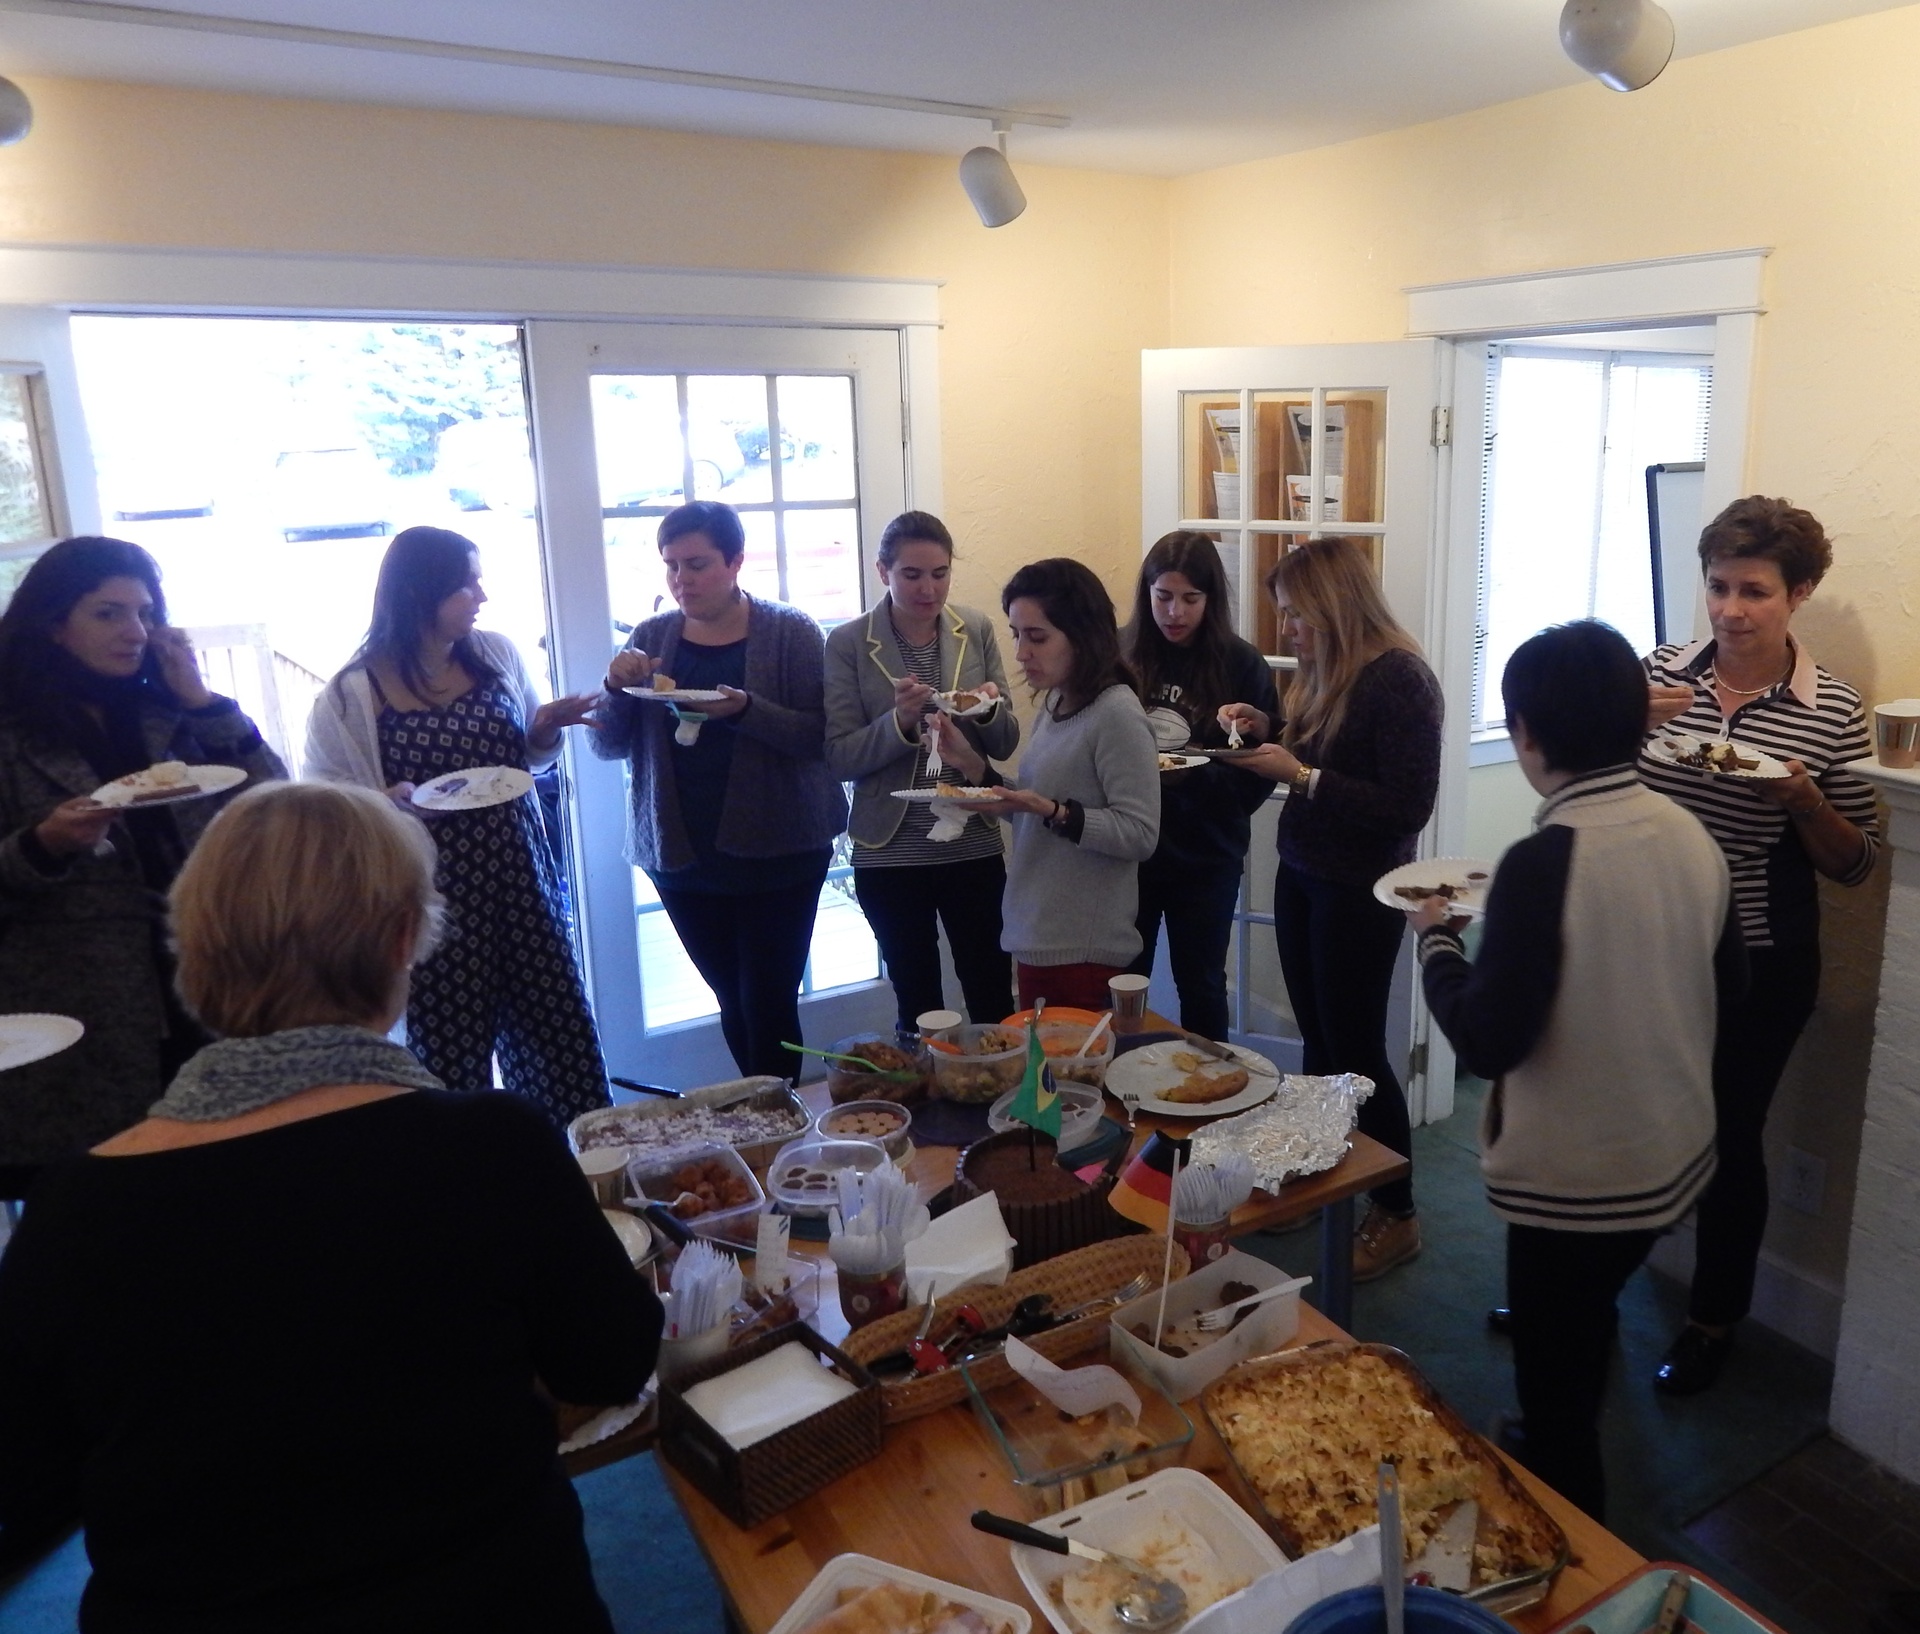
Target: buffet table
column 911, row 1506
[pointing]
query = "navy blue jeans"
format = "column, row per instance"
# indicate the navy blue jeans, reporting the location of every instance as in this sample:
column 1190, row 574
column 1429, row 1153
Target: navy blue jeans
column 1197, row 905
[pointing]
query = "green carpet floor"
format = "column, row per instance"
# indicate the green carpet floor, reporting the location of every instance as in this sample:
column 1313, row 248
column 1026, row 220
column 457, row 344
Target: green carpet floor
column 1666, row 1460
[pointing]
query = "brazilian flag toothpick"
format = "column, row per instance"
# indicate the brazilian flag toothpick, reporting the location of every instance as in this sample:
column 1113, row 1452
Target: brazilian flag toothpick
column 1036, row 1103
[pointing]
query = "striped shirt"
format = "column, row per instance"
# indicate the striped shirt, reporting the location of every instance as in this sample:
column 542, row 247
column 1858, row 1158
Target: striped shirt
column 912, row 845
column 1809, row 716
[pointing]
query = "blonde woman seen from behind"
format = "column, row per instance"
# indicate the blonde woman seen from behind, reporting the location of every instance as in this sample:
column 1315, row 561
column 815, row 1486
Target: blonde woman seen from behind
column 1359, row 754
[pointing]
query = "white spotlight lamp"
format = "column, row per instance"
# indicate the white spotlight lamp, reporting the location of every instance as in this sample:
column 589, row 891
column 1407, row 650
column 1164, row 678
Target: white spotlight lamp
column 16, row 113
column 990, row 182
column 1623, row 43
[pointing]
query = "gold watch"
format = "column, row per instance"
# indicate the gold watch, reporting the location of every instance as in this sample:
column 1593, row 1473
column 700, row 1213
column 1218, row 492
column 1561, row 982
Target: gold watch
column 1302, row 777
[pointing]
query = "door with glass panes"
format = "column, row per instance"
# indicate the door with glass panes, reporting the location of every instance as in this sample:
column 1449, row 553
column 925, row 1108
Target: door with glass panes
column 1264, row 448
column 801, row 431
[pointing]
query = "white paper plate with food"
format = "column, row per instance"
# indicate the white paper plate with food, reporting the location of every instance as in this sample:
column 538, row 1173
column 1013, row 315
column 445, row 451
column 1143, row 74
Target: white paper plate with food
column 1181, row 763
column 474, row 789
column 1177, row 1081
column 1720, row 756
column 676, row 695
column 965, row 704
column 960, row 797
column 168, row 781
column 1244, row 752
column 32, row 1036
column 1462, row 881
column 877, row 1594
column 1176, row 1522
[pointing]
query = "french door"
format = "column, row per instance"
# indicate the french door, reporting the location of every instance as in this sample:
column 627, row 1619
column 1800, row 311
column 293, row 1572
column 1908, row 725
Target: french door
column 1265, row 448
column 802, row 431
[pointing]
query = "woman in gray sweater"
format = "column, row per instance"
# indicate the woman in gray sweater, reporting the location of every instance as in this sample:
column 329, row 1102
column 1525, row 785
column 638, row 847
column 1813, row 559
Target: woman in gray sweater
column 1085, row 806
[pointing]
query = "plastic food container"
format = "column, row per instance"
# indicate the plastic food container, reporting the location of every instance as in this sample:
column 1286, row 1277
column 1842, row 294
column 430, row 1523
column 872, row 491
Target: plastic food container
column 1428, row 1611
column 848, row 1574
column 801, row 1177
column 869, row 1120
column 1262, row 1330
column 1061, row 1038
column 846, row 1082
column 1059, row 1462
column 672, row 1176
column 1081, row 1110
column 978, row 1063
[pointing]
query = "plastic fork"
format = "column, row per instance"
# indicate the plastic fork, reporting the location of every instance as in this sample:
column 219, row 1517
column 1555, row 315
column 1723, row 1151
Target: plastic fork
column 1214, row 1321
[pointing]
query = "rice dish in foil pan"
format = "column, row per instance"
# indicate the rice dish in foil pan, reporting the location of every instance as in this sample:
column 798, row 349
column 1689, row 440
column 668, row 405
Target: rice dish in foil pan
column 1303, row 1129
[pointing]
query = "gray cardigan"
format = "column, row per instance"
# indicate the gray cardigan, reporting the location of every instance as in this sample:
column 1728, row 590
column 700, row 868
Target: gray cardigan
column 1074, row 903
column 780, row 796
column 864, row 743
column 79, row 938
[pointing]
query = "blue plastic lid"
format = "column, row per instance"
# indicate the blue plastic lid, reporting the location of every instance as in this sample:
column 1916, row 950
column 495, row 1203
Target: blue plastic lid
column 1429, row 1611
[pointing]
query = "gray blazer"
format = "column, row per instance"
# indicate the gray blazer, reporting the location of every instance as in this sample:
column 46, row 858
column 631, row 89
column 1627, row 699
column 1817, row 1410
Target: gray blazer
column 80, row 939
column 780, row 796
column 864, row 745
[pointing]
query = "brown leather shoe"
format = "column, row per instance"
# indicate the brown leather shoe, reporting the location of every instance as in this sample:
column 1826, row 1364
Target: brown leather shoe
column 1383, row 1241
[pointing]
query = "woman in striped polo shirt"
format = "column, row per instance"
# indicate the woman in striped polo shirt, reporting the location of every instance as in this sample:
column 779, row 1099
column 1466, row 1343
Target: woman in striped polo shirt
column 1754, row 683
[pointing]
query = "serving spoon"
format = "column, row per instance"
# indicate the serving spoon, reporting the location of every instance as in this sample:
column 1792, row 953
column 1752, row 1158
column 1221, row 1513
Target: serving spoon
column 1151, row 1602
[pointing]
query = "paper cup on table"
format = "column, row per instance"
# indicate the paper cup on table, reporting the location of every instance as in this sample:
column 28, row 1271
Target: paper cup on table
column 606, row 1170
column 1896, row 732
column 1129, row 995
column 681, row 1355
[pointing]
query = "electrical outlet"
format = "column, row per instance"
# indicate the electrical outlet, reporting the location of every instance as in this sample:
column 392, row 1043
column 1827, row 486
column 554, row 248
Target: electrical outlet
column 1803, row 1181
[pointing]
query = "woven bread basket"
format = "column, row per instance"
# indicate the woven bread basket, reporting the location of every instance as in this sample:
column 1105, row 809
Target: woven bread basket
column 1072, row 1279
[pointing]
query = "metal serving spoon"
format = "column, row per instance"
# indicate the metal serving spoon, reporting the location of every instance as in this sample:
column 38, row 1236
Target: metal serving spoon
column 1152, row 1602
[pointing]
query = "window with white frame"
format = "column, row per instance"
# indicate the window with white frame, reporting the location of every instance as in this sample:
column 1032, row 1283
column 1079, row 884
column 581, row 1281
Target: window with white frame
column 1564, row 534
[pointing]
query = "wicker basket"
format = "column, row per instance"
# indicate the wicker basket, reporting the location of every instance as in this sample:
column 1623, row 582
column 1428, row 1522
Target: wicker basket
column 1044, row 1231
column 1072, row 1279
column 748, row 1484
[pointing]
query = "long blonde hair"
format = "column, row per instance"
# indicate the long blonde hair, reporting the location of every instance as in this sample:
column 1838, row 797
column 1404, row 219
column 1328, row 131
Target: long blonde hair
column 1330, row 585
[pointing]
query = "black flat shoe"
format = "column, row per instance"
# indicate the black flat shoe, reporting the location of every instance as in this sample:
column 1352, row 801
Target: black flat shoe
column 1500, row 1320
column 1692, row 1362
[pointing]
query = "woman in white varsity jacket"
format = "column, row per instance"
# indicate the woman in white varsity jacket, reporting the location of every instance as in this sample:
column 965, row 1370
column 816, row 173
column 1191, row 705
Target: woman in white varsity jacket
column 1609, row 940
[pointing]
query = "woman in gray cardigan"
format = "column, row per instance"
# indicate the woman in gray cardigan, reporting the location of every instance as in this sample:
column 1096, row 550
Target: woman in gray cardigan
column 1086, row 804
column 911, row 877
column 734, row 810
column 93, row 685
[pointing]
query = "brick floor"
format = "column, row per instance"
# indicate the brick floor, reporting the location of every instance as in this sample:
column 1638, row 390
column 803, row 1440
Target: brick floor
column 1828, row 1533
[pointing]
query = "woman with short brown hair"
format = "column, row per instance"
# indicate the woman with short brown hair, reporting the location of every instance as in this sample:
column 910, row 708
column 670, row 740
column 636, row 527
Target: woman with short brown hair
column 280, row 1346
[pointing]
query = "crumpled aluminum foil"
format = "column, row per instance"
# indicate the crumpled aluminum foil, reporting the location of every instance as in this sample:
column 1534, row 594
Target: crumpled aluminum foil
column 1302, row 1129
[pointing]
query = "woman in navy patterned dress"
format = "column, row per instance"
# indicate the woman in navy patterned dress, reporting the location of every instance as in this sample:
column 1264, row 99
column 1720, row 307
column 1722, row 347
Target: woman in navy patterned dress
column 428, row 694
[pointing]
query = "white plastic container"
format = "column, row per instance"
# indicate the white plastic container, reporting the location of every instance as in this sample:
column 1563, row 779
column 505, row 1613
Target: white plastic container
column 1081, row 1110
column 651, row 1175
column 1126, row 1521
column 1264, row 1330
column 864, row 1572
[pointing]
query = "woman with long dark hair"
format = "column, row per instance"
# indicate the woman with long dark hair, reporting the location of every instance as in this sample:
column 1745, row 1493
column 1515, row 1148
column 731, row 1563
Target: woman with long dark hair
column 425, row 695
column 94, row 685
column 1188, row 660
column 1085, row 805
column 1359, row 754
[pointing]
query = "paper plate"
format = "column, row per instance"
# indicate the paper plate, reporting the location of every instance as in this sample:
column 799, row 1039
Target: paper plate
column 1149, row 1071
column 1670, row 746
column 474, row 789
column 201, row 781
column 1181, row 763
column 977, row 802
column 32, row 1036
column 691, row 695
column 1455, row 871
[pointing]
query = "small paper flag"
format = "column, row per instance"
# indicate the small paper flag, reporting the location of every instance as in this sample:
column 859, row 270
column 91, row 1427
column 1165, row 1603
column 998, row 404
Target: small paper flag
column 1036, row 1103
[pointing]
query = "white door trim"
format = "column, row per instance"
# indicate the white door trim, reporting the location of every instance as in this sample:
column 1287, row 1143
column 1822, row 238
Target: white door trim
column 1626, row 293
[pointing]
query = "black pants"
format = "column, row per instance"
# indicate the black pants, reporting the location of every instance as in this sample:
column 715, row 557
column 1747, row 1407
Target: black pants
column 1338, row 947
column 752, row 951
column 1197, row 905
column 907, row 907
column 1756, row 1034
column 1564, row 1287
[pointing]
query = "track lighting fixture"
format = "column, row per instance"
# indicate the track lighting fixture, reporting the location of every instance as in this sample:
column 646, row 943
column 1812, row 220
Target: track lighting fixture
column 990, row 181
column 1623, row 43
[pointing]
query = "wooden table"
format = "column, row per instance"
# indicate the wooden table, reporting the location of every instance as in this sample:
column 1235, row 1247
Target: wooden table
column 911, row 1506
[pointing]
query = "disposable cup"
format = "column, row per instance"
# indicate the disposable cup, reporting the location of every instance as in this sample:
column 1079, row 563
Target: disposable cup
column 1896, row 732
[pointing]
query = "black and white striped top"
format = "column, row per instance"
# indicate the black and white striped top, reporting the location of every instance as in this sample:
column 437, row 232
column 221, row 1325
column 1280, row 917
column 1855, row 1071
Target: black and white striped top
column 912, row 845
column 1810, row 717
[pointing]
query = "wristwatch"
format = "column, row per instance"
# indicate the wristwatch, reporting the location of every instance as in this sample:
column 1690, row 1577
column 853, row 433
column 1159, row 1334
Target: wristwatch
column 1302, row 778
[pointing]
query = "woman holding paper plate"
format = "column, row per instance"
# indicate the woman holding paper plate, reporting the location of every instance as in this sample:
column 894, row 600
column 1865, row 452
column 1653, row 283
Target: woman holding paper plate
column 1359, row 753
column 95, row 686
column 883, row 671
column 427, row 698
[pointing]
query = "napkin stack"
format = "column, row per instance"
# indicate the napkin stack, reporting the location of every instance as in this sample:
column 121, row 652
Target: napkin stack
column 968, row 1244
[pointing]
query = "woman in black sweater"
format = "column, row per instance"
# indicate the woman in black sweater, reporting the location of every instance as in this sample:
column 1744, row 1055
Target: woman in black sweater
column 280, row 1347
column 1182, row 647
column 1359, row 755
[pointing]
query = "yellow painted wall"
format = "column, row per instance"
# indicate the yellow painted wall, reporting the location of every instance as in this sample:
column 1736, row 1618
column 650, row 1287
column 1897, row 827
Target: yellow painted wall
column 1809, row 143
column 1045, row 318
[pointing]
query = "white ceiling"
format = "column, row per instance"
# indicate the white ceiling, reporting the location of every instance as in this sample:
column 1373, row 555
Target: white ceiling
column 1157, row 86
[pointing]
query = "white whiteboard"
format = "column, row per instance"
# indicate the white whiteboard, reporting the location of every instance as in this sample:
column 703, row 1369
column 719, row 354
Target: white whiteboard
column 1674, row 494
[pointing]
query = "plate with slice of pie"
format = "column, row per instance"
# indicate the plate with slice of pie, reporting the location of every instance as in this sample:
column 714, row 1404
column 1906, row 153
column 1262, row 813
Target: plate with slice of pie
column 168, row 781
column 1720, row 756
column 1461, row 882
column 1177, row 1081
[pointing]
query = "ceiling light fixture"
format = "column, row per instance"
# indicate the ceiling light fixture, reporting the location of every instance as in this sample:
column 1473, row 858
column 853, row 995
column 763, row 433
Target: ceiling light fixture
column 16, row 113
column 990, row 181
column 1624, row 44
